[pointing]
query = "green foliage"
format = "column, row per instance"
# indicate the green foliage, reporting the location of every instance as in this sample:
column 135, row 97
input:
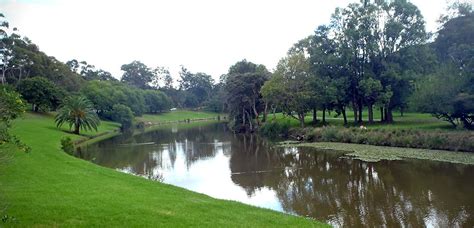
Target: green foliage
column 275, row 129
column 77, row 111
column 123, row 115
column 289, row 87
column 441, row 140
column 156, row 101
column 89, row 72
column 67, row 145
column 197, row 87
column 41, row 93
column 11, row 107
column 137, row 74
column 242, row 87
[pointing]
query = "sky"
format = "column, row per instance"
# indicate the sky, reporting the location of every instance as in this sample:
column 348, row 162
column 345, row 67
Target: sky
column 204, row 36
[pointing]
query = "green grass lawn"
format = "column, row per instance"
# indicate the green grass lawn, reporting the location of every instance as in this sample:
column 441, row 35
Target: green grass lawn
column 407, row 121
column 178, row 115
column 48, row 187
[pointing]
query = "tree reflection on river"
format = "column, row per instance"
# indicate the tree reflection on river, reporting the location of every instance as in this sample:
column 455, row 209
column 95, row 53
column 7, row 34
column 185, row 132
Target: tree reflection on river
column 318, row 184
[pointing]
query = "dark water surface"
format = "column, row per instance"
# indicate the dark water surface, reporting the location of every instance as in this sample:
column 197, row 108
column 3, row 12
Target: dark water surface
column 343, row 192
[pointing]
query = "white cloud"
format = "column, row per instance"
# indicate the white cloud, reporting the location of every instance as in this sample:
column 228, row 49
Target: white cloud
column 206, row 36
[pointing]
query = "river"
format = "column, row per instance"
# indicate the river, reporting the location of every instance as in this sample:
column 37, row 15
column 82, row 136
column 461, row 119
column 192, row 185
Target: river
column 323, row 185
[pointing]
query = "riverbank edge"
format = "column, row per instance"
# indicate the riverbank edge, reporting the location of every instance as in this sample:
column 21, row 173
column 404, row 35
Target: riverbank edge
column 371, row 153
column 232, row 204
column 455, row 141
column 89, row 140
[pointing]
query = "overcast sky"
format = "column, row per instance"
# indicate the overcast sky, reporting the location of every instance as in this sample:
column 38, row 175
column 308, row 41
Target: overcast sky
column 204, row 36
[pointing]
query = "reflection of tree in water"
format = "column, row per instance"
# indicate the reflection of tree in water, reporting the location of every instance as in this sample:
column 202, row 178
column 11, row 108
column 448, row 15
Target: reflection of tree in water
column 353, row 193
column 136, row 155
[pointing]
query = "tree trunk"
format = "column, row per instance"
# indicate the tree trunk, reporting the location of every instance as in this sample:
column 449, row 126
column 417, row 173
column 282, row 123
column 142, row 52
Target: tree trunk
column 301, row 118
column 255, row 113
column 76, row 128
column 243, row 117
column 354, row 109
column 371, row 114
column 401, row 111
column 324, row 116
column 381, row 115
column 274, row 115
column 344, row 115
column 265, row 112
column 360, row 106
column 250, row 121
column 389, row 115
column 315, row 115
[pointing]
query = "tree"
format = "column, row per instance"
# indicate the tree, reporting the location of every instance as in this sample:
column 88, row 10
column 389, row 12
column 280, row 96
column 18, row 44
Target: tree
column 122, row 114
column 77, row 111
column 162, row 78
column 289, row 87
column 244, row 100
column 400, row 27
column 448, row 93
column 198, row 87
column 156, row 101
column 137, row 74
column 40, row 93
column 4, row 52
column 11, row 107
column 372, row 91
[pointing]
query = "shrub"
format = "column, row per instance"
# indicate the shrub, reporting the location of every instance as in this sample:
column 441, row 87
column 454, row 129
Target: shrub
column 122, row 114
column 275, row 129
column 67, row 145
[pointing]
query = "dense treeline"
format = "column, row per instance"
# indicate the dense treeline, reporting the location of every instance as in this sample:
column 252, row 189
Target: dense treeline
column 374, row 56
column 45, row 83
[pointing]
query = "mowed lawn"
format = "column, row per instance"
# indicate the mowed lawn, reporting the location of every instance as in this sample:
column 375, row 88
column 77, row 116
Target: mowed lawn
column 178, row 115
column 420, row 121
column 48, row 187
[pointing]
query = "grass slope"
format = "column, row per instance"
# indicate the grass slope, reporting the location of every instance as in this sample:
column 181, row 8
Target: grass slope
column 47, row 187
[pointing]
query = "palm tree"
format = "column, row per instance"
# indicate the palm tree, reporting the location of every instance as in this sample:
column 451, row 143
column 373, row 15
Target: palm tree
column 77, row 111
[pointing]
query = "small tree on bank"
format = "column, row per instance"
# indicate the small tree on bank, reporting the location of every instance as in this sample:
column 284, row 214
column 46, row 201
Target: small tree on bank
column 77, row 111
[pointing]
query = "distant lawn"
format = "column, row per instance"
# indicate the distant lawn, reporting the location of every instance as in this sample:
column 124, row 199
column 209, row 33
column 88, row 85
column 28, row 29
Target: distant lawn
column 49, row 188
column 177, row 115
column 408, row 121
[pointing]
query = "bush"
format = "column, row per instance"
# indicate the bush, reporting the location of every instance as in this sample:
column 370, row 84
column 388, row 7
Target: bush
column 67, row 145
column 122, row 114
column 275, row 129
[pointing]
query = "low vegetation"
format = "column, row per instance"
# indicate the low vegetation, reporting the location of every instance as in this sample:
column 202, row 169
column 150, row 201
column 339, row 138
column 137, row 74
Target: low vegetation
column 377, row 153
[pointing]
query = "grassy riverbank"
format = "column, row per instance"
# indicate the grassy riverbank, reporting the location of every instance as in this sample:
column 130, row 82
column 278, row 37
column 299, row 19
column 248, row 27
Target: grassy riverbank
column 420, row 121
column 178, row 115
column 47, row 187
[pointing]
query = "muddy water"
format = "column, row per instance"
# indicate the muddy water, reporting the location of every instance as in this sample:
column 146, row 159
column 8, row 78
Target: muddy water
column 323, row 185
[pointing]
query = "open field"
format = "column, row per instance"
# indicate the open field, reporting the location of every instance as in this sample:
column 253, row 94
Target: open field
column 48, row 187
column 408, row 121
column 178, row 115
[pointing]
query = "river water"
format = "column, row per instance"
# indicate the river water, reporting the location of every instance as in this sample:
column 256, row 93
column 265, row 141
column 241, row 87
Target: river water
column 323, row 185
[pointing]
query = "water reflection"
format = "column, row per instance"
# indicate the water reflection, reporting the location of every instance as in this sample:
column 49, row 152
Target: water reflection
column 322, row 185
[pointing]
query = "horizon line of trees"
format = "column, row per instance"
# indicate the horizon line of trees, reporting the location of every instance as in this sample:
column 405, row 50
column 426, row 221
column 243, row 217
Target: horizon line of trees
column 373, row 55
